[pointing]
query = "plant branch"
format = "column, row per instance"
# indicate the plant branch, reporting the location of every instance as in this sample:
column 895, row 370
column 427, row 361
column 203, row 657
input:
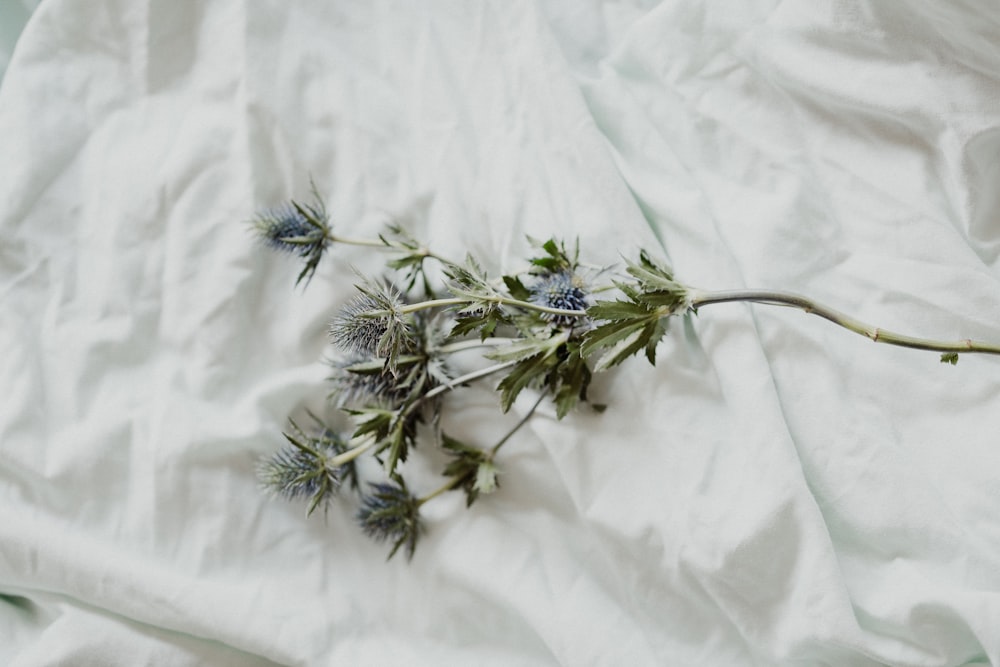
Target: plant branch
column 524, row 420
column 350, row 454
column 875, row 334
column 474, row 344
column 387, row 245
column 447, row 486
column 462, row 301
column 463, row 379
column 368, row 243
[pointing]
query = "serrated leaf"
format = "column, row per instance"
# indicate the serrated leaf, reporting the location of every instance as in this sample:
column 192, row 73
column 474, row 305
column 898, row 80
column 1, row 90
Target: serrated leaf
column 524, row 348
column 523, row 373
column 626, row 347
column 608, row 335
column 556, row 257
column 517, row 288
column 655, row 338
column 464, row 466
column 569, row 394
column 617, row 310
column 374, row 421
column 398, row 443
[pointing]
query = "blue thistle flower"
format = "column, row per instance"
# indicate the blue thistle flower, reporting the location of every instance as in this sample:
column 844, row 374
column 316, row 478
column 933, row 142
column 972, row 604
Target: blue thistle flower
column 372, row 325
column 297, row 229
column 361, row 381
column 360, row 326
column 564, row 290
column 391, row 513
column 302, row 469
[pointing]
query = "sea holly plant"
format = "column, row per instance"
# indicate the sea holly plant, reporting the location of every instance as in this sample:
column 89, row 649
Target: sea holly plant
column 545, row 330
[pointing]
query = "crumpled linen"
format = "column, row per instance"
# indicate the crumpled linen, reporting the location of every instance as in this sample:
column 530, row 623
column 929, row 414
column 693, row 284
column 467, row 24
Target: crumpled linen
column 775, row 491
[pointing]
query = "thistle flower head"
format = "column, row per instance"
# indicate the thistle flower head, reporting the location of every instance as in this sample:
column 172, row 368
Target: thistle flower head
column 391, row 513
column 302, row 469
column 287, row 229
column 357, row 381
column 564, row 290
column 372, row 325
column 297, row 229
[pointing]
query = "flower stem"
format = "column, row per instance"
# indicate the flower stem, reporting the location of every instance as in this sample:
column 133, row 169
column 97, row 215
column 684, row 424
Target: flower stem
column 368, row 243
column 350, row 454
column 474, row 344
column 876, row 334
column 461, row 301
column 456, row 480
column 453, row 384
column 423, row 305
column 447, row 486
column 524, row 420
column 468, row 377
column 388, row 245
column 542, row 309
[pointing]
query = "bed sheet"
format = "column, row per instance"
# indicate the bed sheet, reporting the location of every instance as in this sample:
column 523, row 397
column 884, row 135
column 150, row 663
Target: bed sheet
column 775, row 491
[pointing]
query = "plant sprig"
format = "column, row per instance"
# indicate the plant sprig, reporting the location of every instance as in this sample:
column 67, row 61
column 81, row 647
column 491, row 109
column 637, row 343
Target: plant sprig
column 540, row 330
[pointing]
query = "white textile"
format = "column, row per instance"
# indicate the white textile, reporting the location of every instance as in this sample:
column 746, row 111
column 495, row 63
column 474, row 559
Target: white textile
column 776, row 491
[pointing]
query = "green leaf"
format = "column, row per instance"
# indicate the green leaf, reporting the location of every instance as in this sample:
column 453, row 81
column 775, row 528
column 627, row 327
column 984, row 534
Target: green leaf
column 949, row 358
column 485, row 321
column 556, row 257
column 464, row 466
column 532, row 369
column 398, row 445
column 655, row 338
column 517, row 288
column 375, row 421
column 638, row 338
column 486, row 478
column 617, row 310
column 524, row 348
column 652, row 276
column 608, row 335
column 569, row 381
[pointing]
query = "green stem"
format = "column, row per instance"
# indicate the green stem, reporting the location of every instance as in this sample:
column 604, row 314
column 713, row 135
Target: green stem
column 474, row 344
column 876, row 334
column 350, row 454
column 456, row 382
column 462, row 301
column 379, row 243
column 421, row 305
column 463, row 379
column 453, row 482
column 522, row 422
column 541, row 309
column 368, row 243
column 447, row 486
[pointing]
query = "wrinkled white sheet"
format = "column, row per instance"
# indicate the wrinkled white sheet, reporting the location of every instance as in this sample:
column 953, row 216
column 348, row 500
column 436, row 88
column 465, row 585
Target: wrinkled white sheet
column 775, row 491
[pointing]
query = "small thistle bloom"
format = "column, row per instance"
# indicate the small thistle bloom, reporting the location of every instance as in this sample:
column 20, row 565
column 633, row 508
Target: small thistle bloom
column 372, row 325
column 391, row 513
column 302, row 470
column 360, row 326
column 564, row 290
column 297, row 229
column 356, row 383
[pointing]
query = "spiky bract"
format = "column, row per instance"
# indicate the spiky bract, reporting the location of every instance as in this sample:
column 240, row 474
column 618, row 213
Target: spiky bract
column 391, row 513
column 298, row 229
column 303, row 468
